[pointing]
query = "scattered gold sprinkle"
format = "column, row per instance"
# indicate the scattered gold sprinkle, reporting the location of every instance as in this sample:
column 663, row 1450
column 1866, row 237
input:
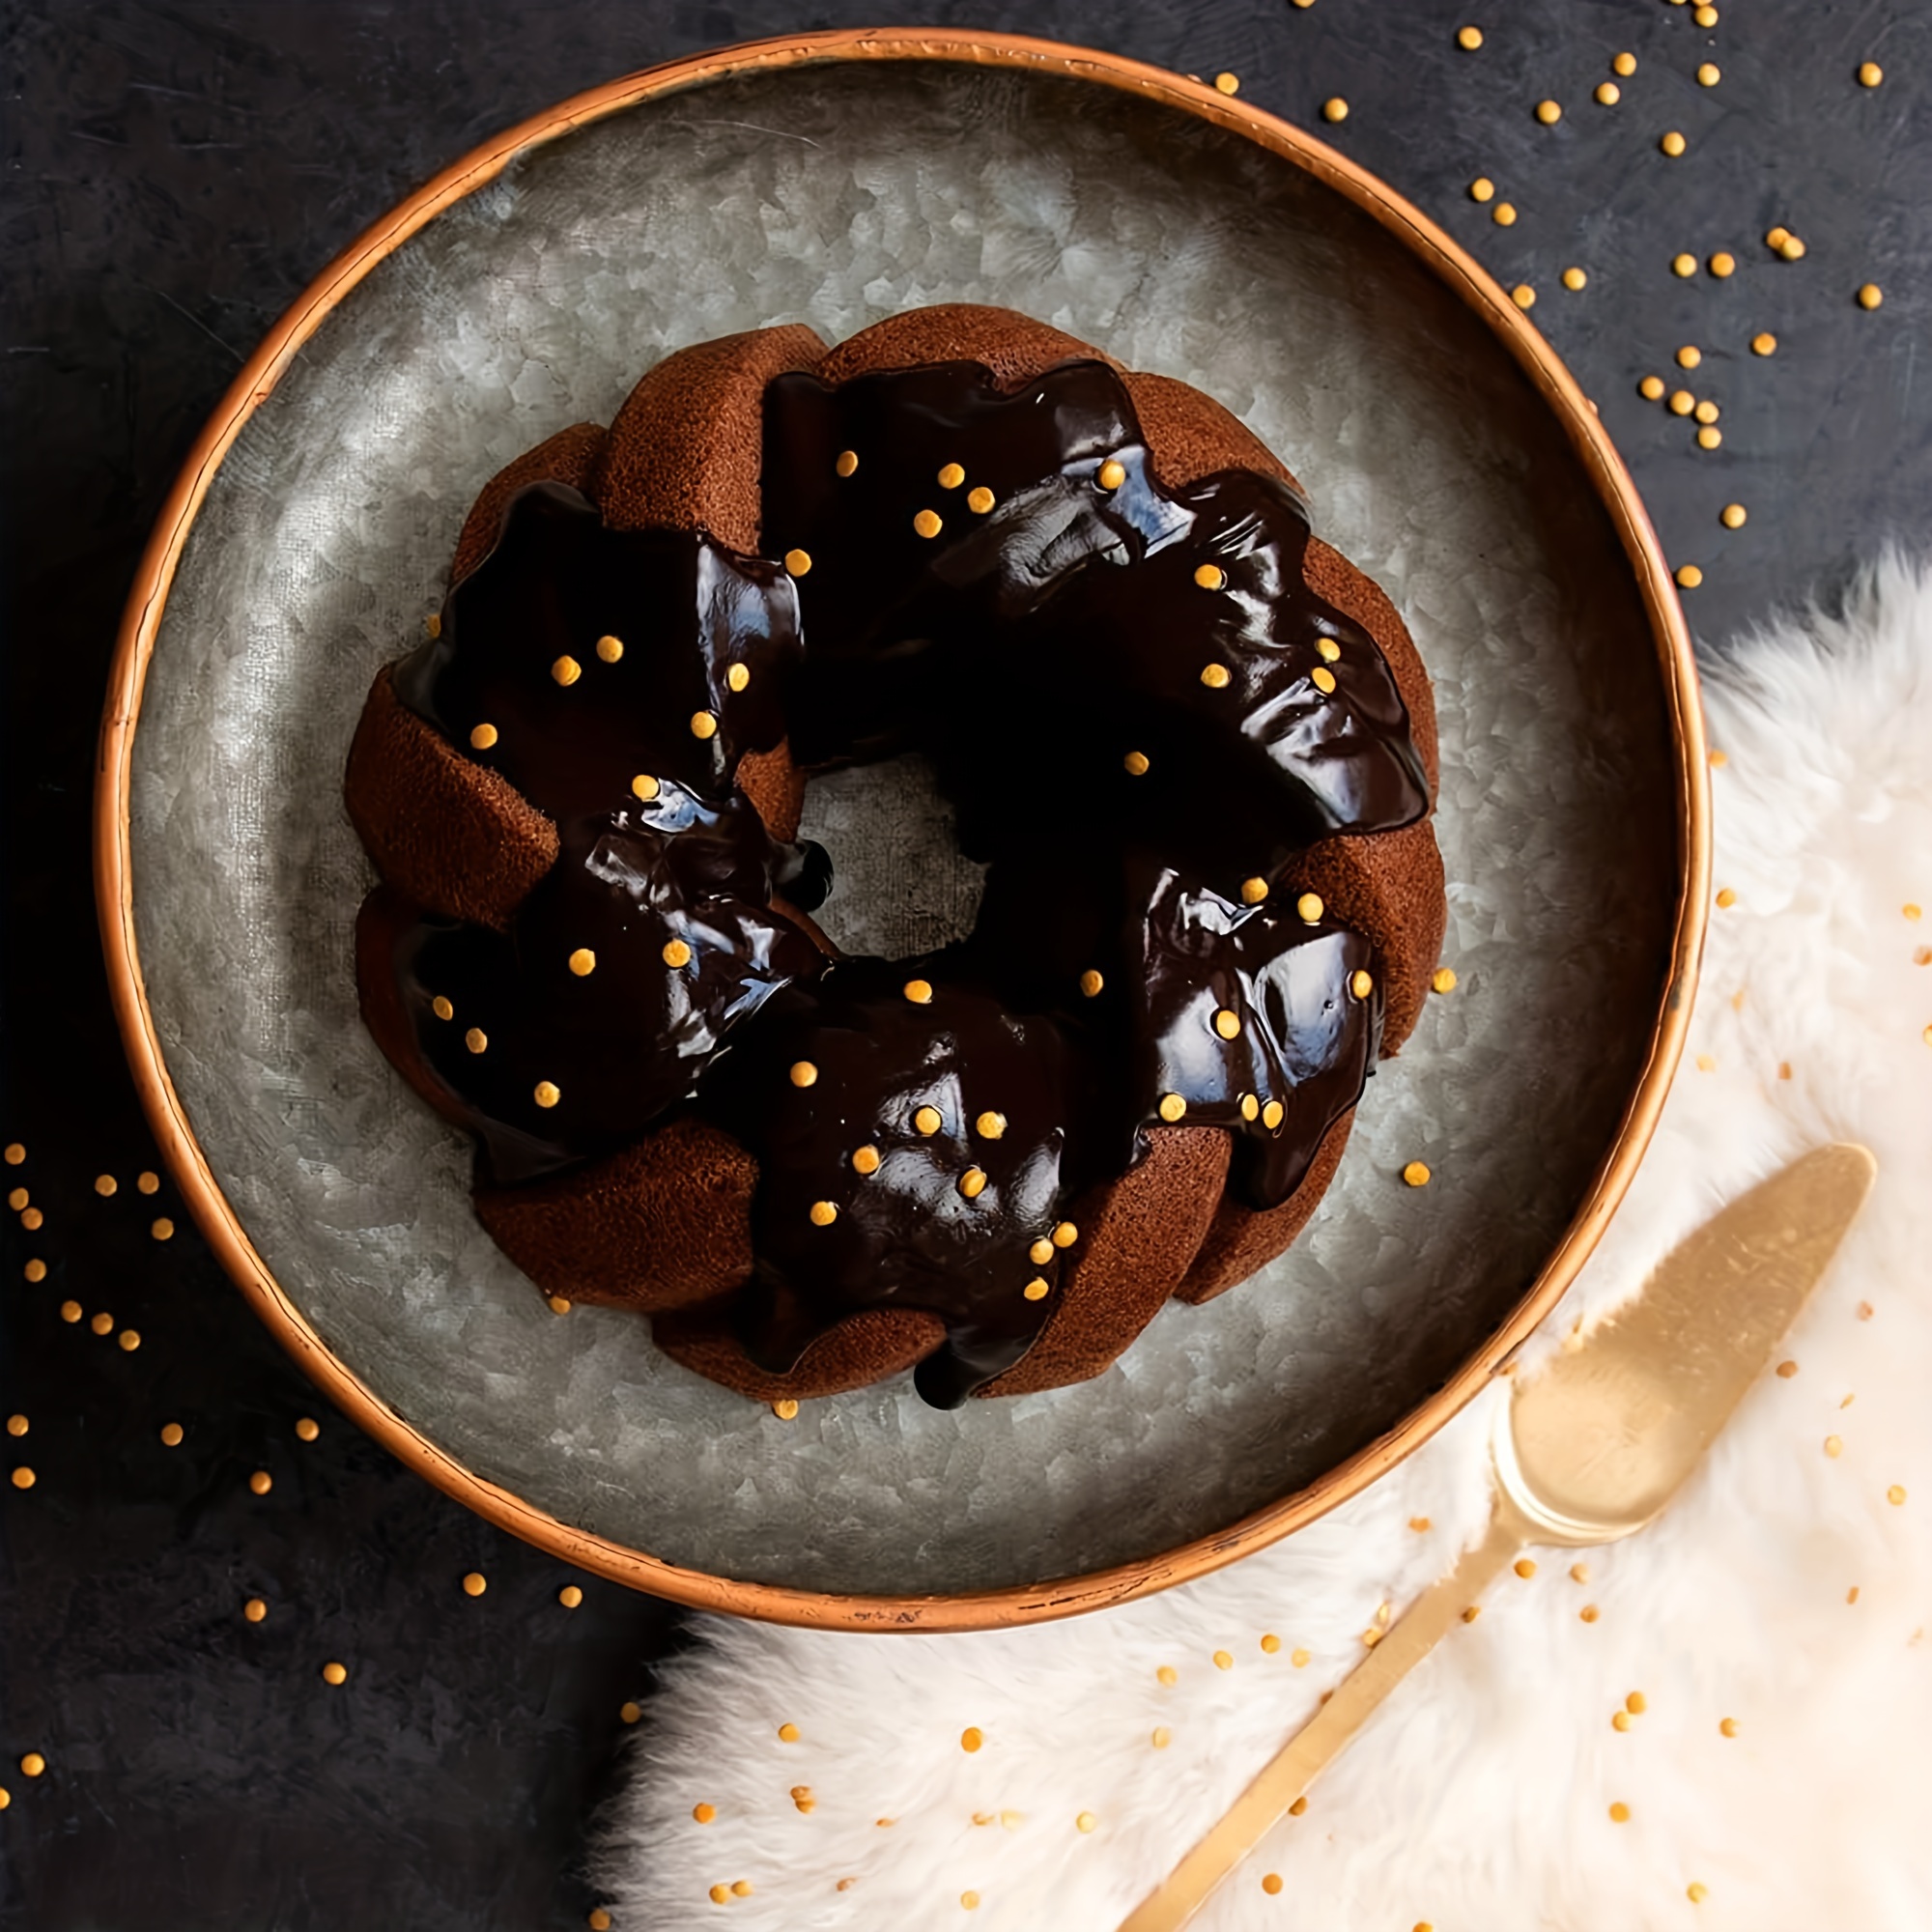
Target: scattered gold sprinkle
column 1727, row 897
column 441, row 1009
column 1548, row 113
column 32, row 1765
column 1690, row 575
column 927, row 524
column 973, row 1183
column 1851, row 1595
column 1136, row 764
column 927, row 1121
column 645, row 786
column 1226, row 1024
column 1708, row 73
column 823, row 1213
column 1254, row 891
column 703, row 725
column 1620, row 1720
column 1335, row 109
column 1250, row 1106
column 1482, row 188
column 254, row 1609
column 475, row 1583
column 1442, row 980
column 17, row 1425
column 704, row 1813
column 786, row 1409
column 1523, row 296
column 1299, row 1658
column 1038, row 1289
column 106, row 1185
column 1732, row 516
column 1091, row 982
column 970, row 1900
column 1709, row 438
column 1223, row 1660
column 335, row 1673
column 1418, row 1523
column 1322, row 679
column 919, row 992
column 546, row 1093
column 1161, row 1737
column 1705, row 16
column 1299, row 1806
column 1574, row 278
column 1870, row 295
column 1525, row 1566
column 1683, row 264
column 720, row 1894
column 798, row 562
column 1673, row 144
column 261, row 1482
column 1723, row 263
column 1608, row 94
column 676, row 953
column 566, row 670
column 1619, row 1813
column 980, row 500
column 1040, row 1252
column 847, row 463
column 1706, row 411
column 483, row 737
column 1468, row 39
column 1064, row 1235
column 23, row 1478
column 598, row 1920
column 1911, row 911
column 36, row 1270
column 1172, row 1107
column 1361, row 984
column 1416, row 1174
column 148, row 1183
column 570, row 1596
column 128, row 1340
column 1689, row 355
column 1273, row 1114
column 1579, row 1573
column 31, row 1218
column 610, row 648
column 582, row 962
column 1167, row 1674
column 14, row 1154
column 1086, row 1822
column 1636, row 1703
column 1895, row 1495
column 171, row 1435
column 1697, row 1893
column 1682, row 402
column 738, row 676
column 1784, row 1070
column 1503, row 215
column 102, row 1324
column 1589, row 1613
column 990, row 1125
column 802, row 1798
column 1624, row 65
column 1791, row 249
column 1834, row 1446
column 950, row 476
column 1870, row 73
column 1227, row 83
column 1271, row 1644
column 866, row 1159
column 1215, row 676
column 803, row 1073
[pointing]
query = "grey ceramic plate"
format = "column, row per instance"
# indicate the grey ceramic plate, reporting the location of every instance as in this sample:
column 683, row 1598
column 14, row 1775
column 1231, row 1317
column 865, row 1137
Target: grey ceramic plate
column 837, row 193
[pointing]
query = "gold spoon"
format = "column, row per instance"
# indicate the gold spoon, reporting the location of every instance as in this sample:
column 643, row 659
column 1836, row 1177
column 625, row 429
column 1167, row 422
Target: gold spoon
column 1589, row 1450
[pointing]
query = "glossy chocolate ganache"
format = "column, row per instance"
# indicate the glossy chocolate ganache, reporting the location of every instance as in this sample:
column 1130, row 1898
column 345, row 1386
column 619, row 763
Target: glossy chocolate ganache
column 1142, row 716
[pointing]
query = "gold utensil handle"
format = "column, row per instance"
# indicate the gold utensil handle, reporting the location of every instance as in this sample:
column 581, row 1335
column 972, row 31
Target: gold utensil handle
column 1301, row 1760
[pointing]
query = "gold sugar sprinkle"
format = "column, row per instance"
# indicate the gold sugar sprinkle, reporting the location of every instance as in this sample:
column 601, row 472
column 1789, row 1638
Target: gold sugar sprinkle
column 106, row 1185
column 610, row 648
column 1624, row 65
column 1764, row 343
column 476, row 1039
column 1705, row 16
column 1548, row 113
column 36, row 1270
column 1064, row 1235
column 801, row 1796
column 927, row 1121
column 1851, row 1595
column 566, row 670
column 1215, row 676
column 1322, row 679
column 1468, row 39
column 927, row 524
column 1254, row 891
column 598, row 1920
column 720, row 1894
column 1503, row 215
column 741, row 1888
column 704, row 1813
column 1579, row 1573
column 1418, row 1523
column 1690, row 575
column 786, row 1409
column 1574, row 278
column 1895, row 1495
column 546, row 1093
column 1038, row 1289
column 31, row 1218
column 17, row 1425
column 18, row 1198
column 1442, row 980
column 1299, row 1806
column 254, row 1609
column 1834, row 1446
column 1250, row 1106
column 1697, row 1893
column 645, row 786
column 14, row 1154
column 1911, row 911
column 1791, row 249
column 1309, row 907
column 1091, row 982
column 1732, row 516
column 1273, row 1114
column 1524, row 1567
column 261, row 1482
column 583, row 962
column 822, row 1213
column 33, row 1764
column 102, row 1324
column 23, row 1478
column 482, row 737
column 1086, row 1822
column 1636, row 1703
column 1210, row 575
column 1708, row 73
column 475, row 1583
column 1335, row 109
column 980, row 500
column 1709, row 439
column 917, row 991
column 1040, row 1252
column 803, row 1073
column 973, row 1183
column 1482, row 188
column 161, row 1228
column 990, row 1125
column 148, row 1183
column 1870, row 73
column 1870, row 295
column 1706, row 411
column 1608, row 94
column 1416, row 1174
column 1673, row 144
column 970, row 1900
column 1270, row 1643
column 847, row 462
column 1227, row 83
column 676, row 953
column 1689, row 355
column 1172, row 1107
column 1619, row 1813
column 1361, row 984
column 738, row 677
column 1226, row 1024
column 1301, row 1658
column 1223, row 1660
column 703, row 725
column 1167, row 1674
column 441, row 1009
column 171, row 1435
column 972, row 1738
column 1161, row 1737
column 335, row 1673
column 1727, row 897
column 128, row 1339
column 1723, row 263
column 950, row 476
column 866, row 1159
column 1136, row 764
column 1682, row 402
column 1523, row 296
column 1589, row 1613
column 797, row 562
column 1683, row 264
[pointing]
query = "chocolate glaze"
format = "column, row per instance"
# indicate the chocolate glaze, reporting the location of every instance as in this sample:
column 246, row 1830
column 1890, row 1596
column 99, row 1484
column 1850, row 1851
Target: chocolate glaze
column 1028, row 649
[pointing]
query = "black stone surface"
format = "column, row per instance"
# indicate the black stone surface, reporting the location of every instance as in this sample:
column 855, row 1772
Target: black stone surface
column 175, row 174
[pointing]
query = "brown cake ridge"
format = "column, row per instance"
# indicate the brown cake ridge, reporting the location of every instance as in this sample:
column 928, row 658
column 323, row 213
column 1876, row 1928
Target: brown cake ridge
column 664, row 1225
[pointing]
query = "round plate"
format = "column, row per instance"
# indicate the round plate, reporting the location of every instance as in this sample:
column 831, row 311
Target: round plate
column 836, row 180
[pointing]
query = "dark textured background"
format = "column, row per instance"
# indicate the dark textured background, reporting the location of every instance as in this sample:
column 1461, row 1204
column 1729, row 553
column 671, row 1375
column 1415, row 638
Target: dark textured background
column 174, row 175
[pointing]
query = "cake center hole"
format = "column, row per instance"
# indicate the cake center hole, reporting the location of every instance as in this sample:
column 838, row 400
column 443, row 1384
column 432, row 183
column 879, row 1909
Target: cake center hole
column 900, row 884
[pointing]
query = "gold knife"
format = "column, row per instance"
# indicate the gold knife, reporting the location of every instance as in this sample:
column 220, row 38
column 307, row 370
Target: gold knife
column 1588, row 1451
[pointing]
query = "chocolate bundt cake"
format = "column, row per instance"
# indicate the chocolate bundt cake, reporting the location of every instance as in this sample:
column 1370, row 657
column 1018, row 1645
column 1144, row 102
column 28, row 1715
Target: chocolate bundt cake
column 1193, row 745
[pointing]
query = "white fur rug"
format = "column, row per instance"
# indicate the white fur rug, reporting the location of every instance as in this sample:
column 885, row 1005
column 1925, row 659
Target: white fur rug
column 1774, row 1621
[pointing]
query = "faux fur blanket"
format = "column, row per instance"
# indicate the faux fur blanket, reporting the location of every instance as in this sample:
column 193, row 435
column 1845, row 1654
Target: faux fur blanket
column 1769, row 1632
